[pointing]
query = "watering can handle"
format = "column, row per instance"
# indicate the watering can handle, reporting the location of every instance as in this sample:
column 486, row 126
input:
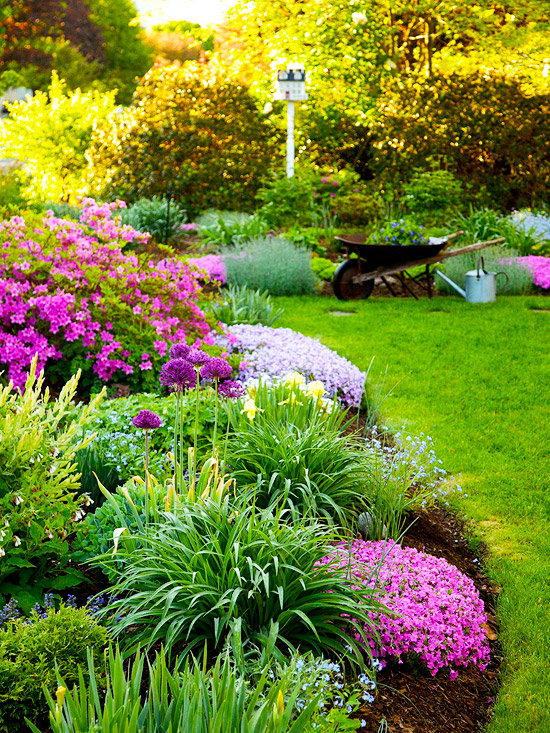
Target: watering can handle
column 505, row 275
column 480, row 259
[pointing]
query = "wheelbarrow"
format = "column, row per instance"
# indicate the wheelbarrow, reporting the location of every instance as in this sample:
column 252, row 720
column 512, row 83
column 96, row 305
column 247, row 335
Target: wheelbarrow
column 354, row 278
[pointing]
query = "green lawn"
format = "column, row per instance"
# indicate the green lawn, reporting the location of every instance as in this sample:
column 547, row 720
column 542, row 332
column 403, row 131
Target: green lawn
column 477, row 379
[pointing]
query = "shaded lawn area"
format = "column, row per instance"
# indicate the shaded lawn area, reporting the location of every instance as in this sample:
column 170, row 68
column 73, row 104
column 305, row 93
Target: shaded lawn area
column 477, row 379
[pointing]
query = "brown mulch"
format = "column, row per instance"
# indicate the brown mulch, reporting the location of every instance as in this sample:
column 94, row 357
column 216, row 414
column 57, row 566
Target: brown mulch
column 410, row 700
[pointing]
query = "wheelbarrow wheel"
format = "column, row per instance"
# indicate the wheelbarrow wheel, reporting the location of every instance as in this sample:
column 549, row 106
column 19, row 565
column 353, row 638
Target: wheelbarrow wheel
column 345, row 288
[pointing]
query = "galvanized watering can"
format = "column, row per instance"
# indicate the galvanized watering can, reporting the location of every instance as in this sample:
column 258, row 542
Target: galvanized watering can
column 481, row 286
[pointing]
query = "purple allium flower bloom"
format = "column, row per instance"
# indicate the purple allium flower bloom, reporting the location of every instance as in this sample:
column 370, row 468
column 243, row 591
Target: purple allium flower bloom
column 147, row 420
column 230, row 389
column 179, row 350
column 197, row 357
column 178, row 374
column 216, row 368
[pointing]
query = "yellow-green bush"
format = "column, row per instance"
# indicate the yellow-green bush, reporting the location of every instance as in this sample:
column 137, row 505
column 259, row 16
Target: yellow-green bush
column 189, row 132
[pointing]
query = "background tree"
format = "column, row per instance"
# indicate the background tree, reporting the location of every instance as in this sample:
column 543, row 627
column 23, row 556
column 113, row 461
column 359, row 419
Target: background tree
column 90, row 43
column 189, row 131
column 52, row 133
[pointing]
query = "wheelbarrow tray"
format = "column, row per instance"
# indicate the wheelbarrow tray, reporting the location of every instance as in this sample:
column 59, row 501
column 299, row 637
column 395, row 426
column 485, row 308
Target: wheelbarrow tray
column 388, row 255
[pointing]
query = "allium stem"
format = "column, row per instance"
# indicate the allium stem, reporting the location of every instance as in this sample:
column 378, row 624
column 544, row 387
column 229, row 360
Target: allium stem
column 196, row 429
column 216, row 406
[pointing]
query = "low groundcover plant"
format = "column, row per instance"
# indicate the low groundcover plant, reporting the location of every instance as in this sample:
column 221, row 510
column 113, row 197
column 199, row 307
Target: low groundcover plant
column 274, row 352
column 439, row 616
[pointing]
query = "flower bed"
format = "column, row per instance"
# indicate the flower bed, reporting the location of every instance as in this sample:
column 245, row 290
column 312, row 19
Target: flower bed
column 539, row 266
column 67, row 291
column 439, row 614
column 274, row 352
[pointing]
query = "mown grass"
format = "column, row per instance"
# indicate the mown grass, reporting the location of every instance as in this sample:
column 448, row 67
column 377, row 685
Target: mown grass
column 477, row 379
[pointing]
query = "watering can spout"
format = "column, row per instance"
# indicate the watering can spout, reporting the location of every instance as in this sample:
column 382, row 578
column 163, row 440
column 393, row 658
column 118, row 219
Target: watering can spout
column 451, row 283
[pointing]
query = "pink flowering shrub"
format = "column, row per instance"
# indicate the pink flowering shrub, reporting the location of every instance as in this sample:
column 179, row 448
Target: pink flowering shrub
column 539, row 266
column 212, row 265
column 439, row 614
column 69, row 294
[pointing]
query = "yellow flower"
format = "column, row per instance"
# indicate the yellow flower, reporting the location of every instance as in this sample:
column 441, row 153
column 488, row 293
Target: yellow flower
column 60, row 697
column 316, row 388
column 250, row 409
column 295, row 379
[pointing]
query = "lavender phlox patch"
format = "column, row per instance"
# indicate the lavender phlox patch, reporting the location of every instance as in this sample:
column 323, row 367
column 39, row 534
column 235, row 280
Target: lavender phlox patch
column 439, row 615
column 275, row 352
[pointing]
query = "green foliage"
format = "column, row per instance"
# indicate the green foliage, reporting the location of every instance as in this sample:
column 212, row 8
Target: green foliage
column 433, row 192
column 323, row 267
column 125, row 54
column 63, row 210
column 293, row 453
column 32, row 650
column 312, row 197
column 38, row 487
column 213, row 565
column 272, row 264
column 192, row 698
column 497, row 259
column 185, row 130
column 11, row 189
column 51, row 133
column 150, row 215
column 239, row 304
column 122, row 446
column 483, row 128
column 229, row 227
column 95, row 533
column 482, row 225
column 92, row 45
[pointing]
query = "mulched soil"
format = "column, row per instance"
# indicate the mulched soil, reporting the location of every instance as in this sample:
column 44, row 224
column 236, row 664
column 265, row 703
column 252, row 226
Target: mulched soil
column 410, row 700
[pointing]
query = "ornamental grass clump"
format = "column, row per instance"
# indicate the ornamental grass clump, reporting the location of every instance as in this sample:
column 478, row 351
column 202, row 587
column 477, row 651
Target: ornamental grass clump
column 275, row 352
column 272, row 264
column 438, row 616
column 286, row 443
column 215, row 563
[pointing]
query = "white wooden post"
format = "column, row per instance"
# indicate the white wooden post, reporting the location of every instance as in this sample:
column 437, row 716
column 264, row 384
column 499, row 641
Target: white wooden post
column 289, row 139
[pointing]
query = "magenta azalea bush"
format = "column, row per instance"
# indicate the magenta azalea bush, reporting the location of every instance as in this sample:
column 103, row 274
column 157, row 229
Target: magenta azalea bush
column 212, row 266
column 275, row 352
column 439, row 615
column 69, row 294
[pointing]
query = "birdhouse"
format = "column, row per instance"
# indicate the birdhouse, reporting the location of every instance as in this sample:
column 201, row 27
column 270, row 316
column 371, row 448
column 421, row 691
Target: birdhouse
column 291, row 84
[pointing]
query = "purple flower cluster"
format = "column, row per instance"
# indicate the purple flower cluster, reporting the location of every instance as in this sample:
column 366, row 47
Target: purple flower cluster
column 439, row 614
column 147, row 420
column 211, row 265
column 187, row 364
column 178, row 375
column 274, row 352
